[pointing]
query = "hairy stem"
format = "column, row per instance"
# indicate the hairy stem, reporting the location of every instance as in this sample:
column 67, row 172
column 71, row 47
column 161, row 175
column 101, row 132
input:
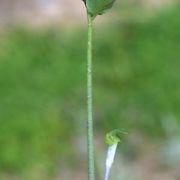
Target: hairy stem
column 90, row 145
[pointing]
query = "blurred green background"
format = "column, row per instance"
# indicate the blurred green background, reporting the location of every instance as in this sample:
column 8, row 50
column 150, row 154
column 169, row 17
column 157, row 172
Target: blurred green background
column 136, row 86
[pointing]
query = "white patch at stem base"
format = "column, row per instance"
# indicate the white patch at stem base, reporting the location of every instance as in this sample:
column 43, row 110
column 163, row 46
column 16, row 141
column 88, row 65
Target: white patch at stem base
column 110, row 159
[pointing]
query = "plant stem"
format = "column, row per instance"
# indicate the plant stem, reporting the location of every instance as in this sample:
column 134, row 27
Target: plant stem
column 90, row 145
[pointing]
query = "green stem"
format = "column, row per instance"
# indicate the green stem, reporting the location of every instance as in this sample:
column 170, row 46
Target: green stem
column 89, row 103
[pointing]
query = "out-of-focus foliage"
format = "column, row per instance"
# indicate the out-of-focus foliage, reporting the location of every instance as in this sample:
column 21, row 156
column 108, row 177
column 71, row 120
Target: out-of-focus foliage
column 43, row 80
column 137, row 73
column 36, row 81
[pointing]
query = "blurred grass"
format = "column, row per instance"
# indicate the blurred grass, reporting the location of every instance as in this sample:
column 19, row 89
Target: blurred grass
column 43, row 86
column 139, row 67
column 35, row 81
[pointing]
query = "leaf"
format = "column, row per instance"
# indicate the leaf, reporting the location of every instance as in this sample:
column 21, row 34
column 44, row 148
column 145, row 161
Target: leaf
column 114, row 136
column 98, row 7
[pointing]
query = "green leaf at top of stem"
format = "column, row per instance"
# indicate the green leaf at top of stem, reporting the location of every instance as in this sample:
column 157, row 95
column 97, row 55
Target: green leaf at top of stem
column 114, row 136
column 98, row 7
